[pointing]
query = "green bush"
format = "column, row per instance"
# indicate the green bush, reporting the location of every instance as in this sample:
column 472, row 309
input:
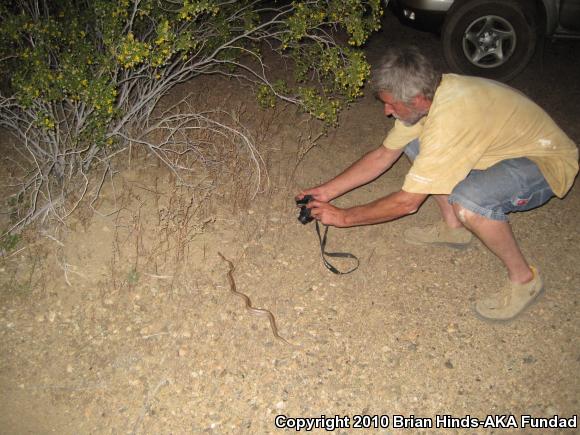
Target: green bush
column 82, row 78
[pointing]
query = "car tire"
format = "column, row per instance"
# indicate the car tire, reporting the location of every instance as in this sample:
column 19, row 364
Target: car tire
column 490, row 38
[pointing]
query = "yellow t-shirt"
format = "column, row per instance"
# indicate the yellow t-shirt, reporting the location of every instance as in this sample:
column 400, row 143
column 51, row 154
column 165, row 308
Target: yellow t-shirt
column 474, row 123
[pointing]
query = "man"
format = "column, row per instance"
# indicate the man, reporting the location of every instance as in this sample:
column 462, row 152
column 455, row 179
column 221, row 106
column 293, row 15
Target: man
column 482, row 149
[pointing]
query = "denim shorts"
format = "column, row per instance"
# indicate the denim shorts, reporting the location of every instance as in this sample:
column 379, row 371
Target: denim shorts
column 508, row 186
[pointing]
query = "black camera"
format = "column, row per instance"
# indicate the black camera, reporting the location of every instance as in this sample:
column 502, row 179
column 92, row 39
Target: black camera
column 304, row 216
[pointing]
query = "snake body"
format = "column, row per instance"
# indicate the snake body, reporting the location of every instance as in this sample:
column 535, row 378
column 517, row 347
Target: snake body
column 248, row 303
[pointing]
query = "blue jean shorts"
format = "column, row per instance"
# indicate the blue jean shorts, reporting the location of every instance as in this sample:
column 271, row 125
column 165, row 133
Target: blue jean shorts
column 508, row 186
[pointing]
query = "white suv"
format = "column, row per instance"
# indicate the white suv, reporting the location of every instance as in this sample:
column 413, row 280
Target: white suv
column 491, row 38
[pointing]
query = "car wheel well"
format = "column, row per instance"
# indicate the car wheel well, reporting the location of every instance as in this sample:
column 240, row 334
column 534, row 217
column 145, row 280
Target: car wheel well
column 536, row 14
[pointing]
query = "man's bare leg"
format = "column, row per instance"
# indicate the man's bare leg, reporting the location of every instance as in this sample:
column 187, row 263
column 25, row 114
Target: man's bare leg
column 447, row 211
column 499, row 238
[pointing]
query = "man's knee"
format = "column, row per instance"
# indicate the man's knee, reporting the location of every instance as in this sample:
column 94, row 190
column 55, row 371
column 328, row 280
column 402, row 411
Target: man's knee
column 465, row 216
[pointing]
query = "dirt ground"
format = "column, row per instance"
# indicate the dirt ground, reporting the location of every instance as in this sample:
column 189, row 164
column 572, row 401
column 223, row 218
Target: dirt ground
column 125, row 322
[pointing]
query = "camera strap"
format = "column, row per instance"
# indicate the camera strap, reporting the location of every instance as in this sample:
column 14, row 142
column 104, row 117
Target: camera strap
column 325, row 254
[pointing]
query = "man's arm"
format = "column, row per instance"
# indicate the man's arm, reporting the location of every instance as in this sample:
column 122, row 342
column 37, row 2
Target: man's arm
column 364, row 170
column 385, row 209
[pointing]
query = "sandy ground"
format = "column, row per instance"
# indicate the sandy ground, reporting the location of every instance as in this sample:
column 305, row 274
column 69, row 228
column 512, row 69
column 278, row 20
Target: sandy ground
column 146, row 336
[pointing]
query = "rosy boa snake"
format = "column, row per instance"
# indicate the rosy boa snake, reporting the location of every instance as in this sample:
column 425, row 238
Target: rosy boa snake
column 255, row 311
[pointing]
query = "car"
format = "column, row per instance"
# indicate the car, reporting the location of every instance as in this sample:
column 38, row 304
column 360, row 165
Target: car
column 491, row 38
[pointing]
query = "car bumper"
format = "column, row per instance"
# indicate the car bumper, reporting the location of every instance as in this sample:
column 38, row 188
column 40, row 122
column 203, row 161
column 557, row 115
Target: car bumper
column 423, row 14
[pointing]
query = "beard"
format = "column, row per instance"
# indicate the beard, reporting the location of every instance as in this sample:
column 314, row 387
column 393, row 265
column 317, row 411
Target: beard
column 413, row 118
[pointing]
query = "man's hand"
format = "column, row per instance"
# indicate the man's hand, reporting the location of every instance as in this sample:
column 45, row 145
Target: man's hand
column 328, row 214
column 319, row 193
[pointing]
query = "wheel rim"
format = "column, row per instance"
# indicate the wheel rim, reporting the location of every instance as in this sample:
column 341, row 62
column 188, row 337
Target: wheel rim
column 489, row 41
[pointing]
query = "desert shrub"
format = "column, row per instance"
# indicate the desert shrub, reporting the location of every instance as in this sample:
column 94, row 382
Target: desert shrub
column 82, row 79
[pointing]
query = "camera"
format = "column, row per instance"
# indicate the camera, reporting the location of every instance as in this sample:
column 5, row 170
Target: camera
column 304, row 216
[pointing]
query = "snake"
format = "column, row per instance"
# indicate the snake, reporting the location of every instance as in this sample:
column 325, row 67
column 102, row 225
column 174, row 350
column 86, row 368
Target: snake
column 260, row 312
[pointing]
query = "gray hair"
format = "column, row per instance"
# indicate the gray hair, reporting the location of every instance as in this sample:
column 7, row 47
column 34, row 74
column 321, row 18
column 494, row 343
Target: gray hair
column 406, row 73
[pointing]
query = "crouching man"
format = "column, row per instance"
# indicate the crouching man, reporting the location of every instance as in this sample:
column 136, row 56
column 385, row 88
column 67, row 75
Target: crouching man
column 481, row 148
